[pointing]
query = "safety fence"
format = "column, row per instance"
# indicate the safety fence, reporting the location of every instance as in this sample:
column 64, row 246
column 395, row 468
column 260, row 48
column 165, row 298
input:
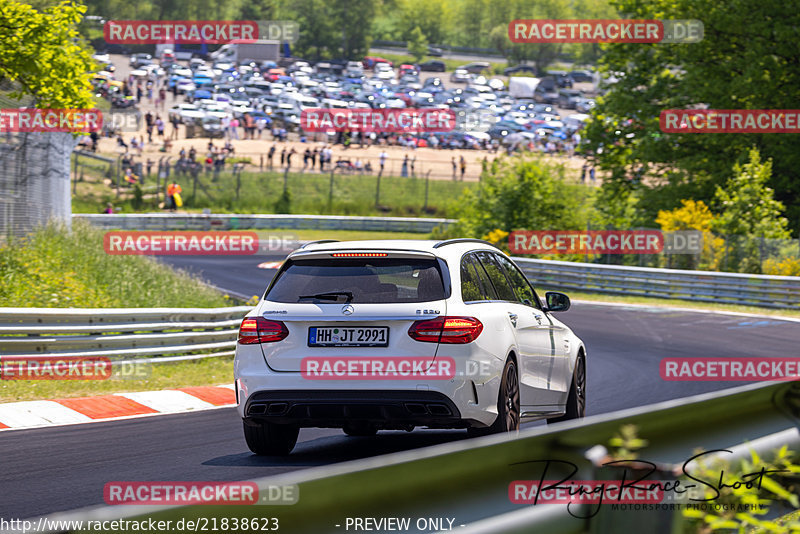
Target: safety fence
column 703, row 286
column 121, row 335
column 199, row 221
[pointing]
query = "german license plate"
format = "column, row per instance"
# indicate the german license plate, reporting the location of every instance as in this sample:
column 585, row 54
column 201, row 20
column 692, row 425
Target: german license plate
column 348, row 336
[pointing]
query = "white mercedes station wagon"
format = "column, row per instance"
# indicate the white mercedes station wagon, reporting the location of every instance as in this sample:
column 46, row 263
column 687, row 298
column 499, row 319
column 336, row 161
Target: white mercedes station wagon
column 376, row 335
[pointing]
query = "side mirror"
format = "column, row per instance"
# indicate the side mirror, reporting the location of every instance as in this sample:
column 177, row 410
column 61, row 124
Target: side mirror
column 556, row 302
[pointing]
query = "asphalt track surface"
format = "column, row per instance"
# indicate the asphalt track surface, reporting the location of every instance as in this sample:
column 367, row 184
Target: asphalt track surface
column 64, row 468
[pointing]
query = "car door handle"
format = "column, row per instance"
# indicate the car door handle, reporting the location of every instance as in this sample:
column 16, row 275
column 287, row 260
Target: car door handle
column 513, row 317
column 538, row 318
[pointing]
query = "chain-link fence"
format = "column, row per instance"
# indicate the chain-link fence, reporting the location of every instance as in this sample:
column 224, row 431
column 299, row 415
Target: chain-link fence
column 34, row 180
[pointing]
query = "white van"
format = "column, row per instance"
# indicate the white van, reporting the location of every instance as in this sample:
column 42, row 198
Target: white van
column 297, row 101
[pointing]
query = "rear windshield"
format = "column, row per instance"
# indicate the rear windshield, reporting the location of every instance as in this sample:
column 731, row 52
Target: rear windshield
column 369, row 280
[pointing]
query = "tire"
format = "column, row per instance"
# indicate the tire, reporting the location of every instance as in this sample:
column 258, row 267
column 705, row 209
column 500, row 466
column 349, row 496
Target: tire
column 270, row 439
column 508, row 409
column 360, row 431
column 576, row 400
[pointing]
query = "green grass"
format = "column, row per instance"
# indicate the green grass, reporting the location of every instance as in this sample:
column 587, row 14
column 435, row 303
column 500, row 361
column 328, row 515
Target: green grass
column 310, row 194
column 53, row 268
column 211, row 371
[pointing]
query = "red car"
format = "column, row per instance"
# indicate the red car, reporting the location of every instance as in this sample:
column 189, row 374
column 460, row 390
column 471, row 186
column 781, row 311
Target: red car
column 408, row 69
column 370, row 61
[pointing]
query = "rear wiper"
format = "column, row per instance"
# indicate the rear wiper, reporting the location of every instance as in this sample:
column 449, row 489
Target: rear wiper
column 332, row 295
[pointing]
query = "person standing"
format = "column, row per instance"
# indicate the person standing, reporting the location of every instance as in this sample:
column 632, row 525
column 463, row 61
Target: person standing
column 413, row 162
column 159, row 126
column 148, row 119
column 313, row 158
column 591, row 175
column 235, row 128
column 306, row 158
column 176, row 122
column 283, row 157
column 270, row 154
column 404, row 167
column 172, row 190
column 453, row 163
column 382, row 159
column 463, row 167
column 289, row 158
column 225, row 122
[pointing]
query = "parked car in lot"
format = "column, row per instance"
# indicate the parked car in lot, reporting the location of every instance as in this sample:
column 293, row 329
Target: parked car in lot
column 140, row 60
column 432, row 65
column 460, row 76
column 369, row 62
column 211, row 126
column 584, row 105
column 476, row 68
column 185, row 112
column 561, row 77
column 375, row 335
column 568, row 98
column 581, row 76
column 543, row 95
column 518, row 69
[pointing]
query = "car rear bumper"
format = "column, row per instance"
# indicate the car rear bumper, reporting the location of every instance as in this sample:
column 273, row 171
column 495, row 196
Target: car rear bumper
column 385, row 409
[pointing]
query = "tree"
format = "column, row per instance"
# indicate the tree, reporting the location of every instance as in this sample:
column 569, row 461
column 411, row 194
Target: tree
column 748, row 210
column 418, row 45
column 747, row 60
column 40, row 51
column 430, row 16
column 520, row 193
column 694, row 215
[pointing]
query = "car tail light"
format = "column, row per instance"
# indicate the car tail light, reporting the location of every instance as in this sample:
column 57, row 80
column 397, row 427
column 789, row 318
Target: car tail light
column 256, row 330
column 446, row 330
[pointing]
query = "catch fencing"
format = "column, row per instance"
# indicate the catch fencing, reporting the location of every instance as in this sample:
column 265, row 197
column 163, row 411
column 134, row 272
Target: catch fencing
column 34, row 181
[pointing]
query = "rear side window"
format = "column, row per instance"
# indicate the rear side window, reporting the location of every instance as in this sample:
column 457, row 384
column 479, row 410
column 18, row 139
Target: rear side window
column 521, row 286
column 368, row 280
column 475, row 285
column 497, row 276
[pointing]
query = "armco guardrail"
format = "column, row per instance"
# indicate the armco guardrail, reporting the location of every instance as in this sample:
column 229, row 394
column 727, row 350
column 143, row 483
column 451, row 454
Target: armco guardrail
column 199, row 221
column 468, row 482
column 120, row 334
column 705, row 286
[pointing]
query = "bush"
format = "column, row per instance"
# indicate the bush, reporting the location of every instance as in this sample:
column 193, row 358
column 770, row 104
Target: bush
column 56, row 268
column 522, row 192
